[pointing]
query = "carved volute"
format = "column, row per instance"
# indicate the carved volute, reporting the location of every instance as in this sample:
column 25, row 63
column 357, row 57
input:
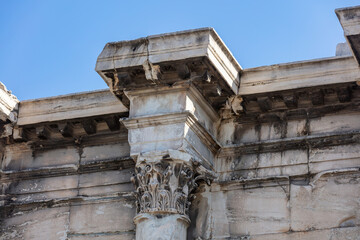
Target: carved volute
column 166, row 186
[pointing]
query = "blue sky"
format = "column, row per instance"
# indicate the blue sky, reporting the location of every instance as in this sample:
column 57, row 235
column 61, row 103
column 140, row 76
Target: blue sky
column 50, row 48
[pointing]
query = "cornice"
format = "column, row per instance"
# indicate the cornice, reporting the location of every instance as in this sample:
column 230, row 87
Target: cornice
column 296, row 75
column 155, row 120
column 67, row 107
column 313, row 141
column 162, row 60
column 67, row 169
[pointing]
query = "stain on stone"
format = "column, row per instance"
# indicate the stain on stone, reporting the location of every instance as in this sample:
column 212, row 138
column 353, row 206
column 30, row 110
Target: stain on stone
column 200, row 39
column 348, row 222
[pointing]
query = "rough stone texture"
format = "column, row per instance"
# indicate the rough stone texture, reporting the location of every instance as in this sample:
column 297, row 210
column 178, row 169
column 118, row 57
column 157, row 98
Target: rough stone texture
column 8, row 105
column 288, row 163
column 67, row 192
column 350, row 21
column 342, row 49
column 215, row 151
column 333, row 234
column 49, row 223
column 108, row 236
column 250, row 211
column 85, row 218
column 109, row 151
column 330, row 202
column 334, row 157
column 164, row 227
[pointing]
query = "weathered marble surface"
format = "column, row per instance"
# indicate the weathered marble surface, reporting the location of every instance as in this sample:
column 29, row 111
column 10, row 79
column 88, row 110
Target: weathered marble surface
column 284, row 166
column 8, row 105
column 161, row 227
column 79, row 105
column 350, row 21
column 327, row 207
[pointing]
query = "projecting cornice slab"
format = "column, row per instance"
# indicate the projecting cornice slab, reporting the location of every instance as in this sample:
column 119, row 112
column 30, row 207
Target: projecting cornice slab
column 8, row 105
column 197, row 55
column 67, row 107
column 296, row 75
column 350, row 21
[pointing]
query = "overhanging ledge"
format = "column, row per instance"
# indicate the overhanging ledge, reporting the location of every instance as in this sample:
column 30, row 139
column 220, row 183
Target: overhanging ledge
column 350, row 21
column 197, row 55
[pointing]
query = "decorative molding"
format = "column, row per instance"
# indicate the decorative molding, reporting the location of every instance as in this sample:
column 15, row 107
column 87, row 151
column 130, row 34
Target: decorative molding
column 155, row 120
column 67, row 169
column 194, row 92
column 202, row 133
column 303, row 142
column 166, row 185
column 163, row 187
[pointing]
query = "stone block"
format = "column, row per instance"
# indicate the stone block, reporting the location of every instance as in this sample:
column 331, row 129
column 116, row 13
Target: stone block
column 161, row 103
column 17, row 156
column 248, row 161
column 73, row 106
column 200, row 214
column 245, row 133
column 156, row 138
column 335, row 123
column 102, row 152
column 334, row 157
column 106, row 182
column 269, row 131
column 331, row 202
column 44, row 188
column 290, row 162
column 107, row 189
column 55, row 157
column 351, row 233
column 269, row 159
column 250, row 211
column 114, row 216
column 48, row 223
column 226, row 132
column 104, row 236
column 294, row 157
column 105, row 178
column 43, row 185
column 295, row 128
column 195, row 146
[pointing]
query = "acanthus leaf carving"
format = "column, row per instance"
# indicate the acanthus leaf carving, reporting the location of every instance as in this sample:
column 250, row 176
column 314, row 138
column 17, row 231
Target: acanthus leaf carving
column 166, row 186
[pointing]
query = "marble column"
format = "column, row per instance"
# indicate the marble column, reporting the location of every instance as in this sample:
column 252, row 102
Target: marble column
column 164, row 182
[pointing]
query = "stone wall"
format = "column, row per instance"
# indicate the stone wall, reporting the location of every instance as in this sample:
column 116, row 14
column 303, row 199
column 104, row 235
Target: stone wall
column 308, row 190
column 75, row 192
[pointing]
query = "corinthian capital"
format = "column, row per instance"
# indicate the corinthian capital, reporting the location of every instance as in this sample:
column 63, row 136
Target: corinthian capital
column 165, row 185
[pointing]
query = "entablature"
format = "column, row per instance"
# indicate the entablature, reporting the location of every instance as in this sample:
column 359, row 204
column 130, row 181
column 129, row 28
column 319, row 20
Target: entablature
column 68, row 120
